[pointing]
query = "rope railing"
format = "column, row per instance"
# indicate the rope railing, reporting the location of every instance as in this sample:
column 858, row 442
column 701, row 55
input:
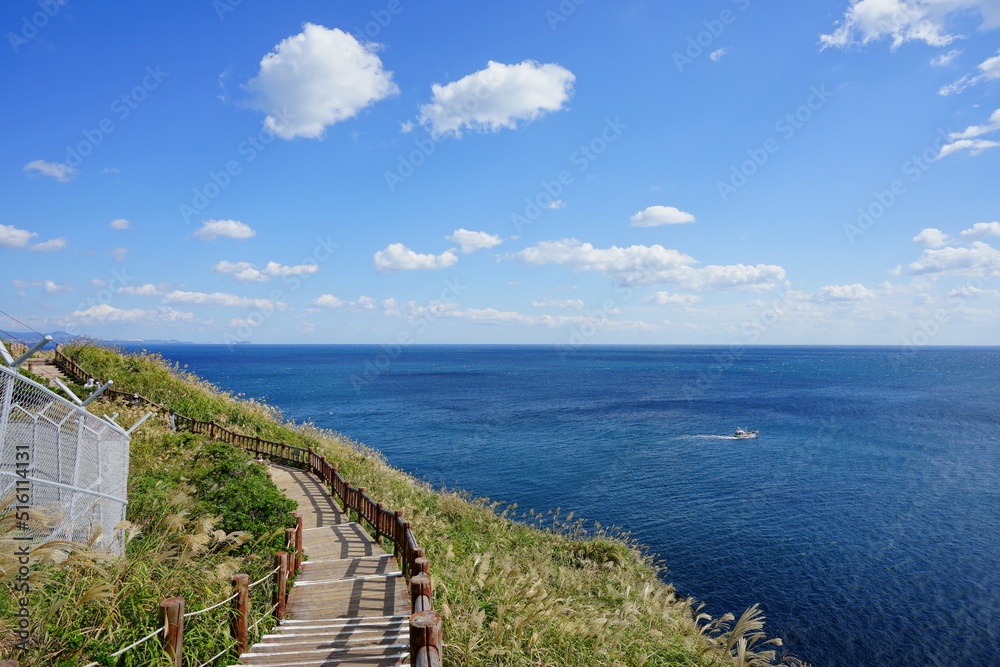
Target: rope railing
column 425, row 623
column 214, row 606
column 172, row 613
column 129, row 647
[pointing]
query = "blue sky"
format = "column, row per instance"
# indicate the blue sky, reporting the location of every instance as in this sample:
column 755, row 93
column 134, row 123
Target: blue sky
column 729, row 172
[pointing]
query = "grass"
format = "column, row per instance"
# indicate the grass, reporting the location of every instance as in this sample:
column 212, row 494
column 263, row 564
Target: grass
column 514, row 589
column 199, row 512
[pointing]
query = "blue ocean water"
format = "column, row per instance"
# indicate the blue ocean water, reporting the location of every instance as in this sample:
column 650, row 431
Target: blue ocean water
column 865, row 518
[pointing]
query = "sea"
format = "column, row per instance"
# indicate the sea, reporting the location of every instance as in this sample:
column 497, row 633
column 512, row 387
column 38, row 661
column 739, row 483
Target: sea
column 864, row 518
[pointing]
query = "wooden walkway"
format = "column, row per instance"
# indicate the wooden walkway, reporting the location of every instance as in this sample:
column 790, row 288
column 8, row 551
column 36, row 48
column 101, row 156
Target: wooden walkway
column 350, row 605
column 45, row 368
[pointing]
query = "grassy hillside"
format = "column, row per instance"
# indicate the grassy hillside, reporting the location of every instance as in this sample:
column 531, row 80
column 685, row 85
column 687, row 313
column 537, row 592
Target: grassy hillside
column 199, row 512
column 530, row 591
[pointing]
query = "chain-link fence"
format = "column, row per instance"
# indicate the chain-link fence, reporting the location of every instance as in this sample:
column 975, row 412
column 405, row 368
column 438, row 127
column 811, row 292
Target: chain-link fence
column 56, row 456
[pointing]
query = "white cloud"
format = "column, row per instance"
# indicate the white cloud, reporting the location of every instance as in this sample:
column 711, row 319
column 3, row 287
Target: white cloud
column 905, row 21
column 562, row 304
column 276, row 270
column 48, row 286
column 989, row 70
column 331, row 301
column 651, row 265
column 105, row 313
column 556, row 204
column 61, row 172
column 945, row 59
column 736, row 276
column 242, row 271
column 655, row 216
column 120, row 223
column 497, row 97
column 976, row 130
column 855, row 292
column 718, row 54
column 931, row 238
column 972, row 292
column 12, row 237
column 981, row 230
column 139, row 290
column 974, row 146
column 397, row 257
column 315, row 79
column 247, row 272
column 222, row 299
column 52, row 245
column 118, row 254
column 979, row 259
column 597, row 320
column 233, row 229
column 473, row 241
column 97, row 282
column 669, row 299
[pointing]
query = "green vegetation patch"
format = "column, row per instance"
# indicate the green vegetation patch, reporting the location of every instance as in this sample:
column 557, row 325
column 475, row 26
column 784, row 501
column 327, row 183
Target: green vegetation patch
column 198, row 513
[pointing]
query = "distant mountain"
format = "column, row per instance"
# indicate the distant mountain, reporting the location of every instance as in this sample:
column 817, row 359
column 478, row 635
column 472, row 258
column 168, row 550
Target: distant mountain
column 31, row 338
column 60, row 337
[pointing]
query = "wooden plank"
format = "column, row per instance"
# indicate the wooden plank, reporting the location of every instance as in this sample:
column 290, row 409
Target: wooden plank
column 350, row 605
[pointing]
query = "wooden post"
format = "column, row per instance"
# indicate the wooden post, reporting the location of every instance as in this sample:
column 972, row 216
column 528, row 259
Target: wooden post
column 172, row 619
column 298, row 540
column 281, row 585
column 312, row 458
column 425, row 639
column 241, row 604
column 378, row 522
column 397, row 538
column 290, row 545
column 362, row 505
column 211, row 429
column 420, row 592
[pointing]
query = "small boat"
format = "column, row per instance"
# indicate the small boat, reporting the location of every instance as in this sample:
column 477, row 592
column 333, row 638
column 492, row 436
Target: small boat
column 742, row 434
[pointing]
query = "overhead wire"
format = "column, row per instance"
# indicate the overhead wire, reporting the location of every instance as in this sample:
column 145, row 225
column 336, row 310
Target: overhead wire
column 20, row 322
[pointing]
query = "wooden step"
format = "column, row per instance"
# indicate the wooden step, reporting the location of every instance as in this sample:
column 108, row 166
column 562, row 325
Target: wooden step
column 350, row 605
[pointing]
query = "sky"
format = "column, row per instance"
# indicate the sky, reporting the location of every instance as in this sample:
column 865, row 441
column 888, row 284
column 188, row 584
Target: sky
column 564, row 172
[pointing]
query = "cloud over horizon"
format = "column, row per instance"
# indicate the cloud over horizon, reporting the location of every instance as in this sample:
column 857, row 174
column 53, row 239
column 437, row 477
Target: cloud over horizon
column 232, row 229
column 469, row 242
column 651, row 265
column 61, row 172
column 315, row 79
column 397, row 257
column 656, row 216
column 498, row 97
column 905, row 21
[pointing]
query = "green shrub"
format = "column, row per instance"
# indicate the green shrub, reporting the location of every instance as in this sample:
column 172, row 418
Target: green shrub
column 236, row 489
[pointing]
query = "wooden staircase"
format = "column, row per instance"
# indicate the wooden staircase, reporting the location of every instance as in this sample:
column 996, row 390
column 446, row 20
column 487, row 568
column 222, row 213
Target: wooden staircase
column 350, row 605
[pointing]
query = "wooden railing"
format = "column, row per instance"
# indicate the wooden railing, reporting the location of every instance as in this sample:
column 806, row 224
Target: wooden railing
column 425, row 623
column 16, row 349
